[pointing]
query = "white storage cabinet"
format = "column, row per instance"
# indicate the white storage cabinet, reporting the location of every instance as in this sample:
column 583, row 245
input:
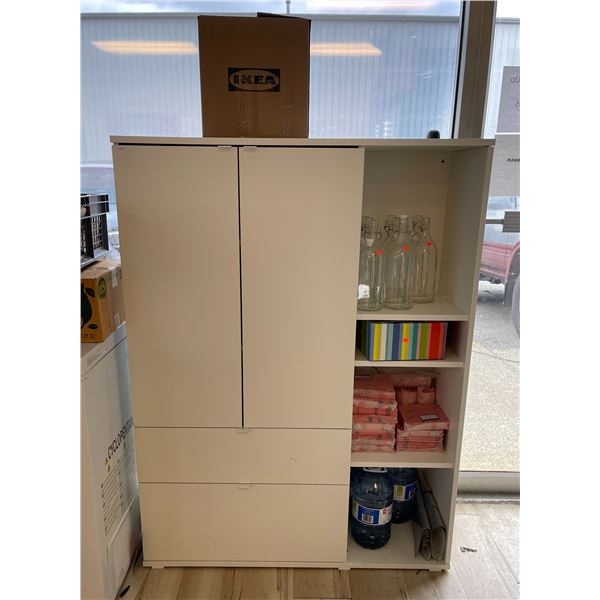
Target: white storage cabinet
column 241, row 262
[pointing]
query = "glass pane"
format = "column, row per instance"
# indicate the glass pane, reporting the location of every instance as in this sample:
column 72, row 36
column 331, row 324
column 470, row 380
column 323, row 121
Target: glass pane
column 151, row 88
column 370, row 77
column 397, row 79
column 305, row 7
column 491, row 434
column 450, row 8
column 191, row 7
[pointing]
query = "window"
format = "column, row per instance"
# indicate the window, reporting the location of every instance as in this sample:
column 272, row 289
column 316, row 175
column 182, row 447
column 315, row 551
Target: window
column 491, row 434
column 140, row 72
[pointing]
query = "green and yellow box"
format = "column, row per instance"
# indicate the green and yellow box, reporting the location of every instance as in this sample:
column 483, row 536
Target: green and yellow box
column 102, row 307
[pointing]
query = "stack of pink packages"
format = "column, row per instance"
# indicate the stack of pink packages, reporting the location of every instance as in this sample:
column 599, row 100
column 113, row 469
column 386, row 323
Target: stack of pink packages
column 414, row 387
column 375, row 414
column 421, row 427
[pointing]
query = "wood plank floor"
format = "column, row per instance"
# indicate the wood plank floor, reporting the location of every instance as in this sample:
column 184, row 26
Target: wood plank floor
column 490, row 573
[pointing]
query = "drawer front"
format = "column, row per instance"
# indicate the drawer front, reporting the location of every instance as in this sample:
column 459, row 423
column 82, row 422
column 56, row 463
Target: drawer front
column 243, row 455
column 223, row 522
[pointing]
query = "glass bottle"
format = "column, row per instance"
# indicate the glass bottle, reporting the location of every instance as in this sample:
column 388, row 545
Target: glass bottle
column 398, row 272
column 425, row 265
column 370, row 267
column 416, row 223
column 391, row 228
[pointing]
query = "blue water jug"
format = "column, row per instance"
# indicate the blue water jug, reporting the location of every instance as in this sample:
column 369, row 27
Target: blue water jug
column 405, row 491
column 372, row 496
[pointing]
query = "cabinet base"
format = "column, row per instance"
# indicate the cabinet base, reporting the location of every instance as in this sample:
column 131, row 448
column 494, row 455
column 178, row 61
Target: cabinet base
column 421, row 566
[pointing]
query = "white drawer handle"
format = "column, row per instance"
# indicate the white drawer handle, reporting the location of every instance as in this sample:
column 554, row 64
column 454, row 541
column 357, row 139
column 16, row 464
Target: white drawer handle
column 243, row 486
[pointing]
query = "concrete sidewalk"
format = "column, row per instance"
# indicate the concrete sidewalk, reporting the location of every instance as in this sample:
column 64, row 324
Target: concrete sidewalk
column 491, row 435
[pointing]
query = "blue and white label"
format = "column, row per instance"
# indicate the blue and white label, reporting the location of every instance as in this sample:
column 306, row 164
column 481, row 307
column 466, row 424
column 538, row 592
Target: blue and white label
column 371, row 516
column 403, row 493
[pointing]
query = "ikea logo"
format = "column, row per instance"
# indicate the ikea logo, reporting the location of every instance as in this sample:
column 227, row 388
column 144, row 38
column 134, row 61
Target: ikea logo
column 253, row 80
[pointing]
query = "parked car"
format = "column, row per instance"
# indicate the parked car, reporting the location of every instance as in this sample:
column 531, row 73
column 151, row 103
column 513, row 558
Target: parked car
column 501, row 256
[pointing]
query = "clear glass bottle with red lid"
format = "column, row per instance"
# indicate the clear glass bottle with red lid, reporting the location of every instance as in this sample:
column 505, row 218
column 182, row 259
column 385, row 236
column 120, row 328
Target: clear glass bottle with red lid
column 399, row 268
column 425, row 259
column 370, row 267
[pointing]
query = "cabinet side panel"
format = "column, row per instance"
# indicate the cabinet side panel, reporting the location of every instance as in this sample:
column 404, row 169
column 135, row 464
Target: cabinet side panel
column 300, row 235
column 465, row 218
column 178, row 226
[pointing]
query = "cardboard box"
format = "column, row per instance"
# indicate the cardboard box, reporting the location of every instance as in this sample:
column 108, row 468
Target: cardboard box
column 102, row 307
column 254, row 76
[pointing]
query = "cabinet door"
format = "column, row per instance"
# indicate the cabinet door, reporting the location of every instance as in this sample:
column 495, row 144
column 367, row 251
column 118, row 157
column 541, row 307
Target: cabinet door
column 300, row 212
column 179, row 228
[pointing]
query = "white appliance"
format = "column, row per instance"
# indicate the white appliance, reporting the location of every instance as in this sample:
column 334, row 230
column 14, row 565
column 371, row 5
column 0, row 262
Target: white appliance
column 110, row 511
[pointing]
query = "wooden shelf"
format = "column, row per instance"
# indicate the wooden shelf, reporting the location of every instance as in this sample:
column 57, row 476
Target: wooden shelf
column 398, row 553
column 450, row 361
column 422, row 460
column 443, row 310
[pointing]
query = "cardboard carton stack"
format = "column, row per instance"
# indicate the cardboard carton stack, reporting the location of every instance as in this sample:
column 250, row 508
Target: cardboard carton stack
column 102, row 306
column 375, row 414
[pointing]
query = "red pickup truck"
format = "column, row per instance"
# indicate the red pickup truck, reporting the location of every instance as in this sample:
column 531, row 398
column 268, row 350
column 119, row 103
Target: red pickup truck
column 501, row 257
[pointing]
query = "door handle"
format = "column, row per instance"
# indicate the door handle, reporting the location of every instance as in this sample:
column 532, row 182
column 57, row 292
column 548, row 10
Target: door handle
column 243, row 486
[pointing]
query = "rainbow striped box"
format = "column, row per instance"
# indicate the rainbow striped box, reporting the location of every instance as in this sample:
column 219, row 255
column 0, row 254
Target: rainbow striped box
column 402, row 340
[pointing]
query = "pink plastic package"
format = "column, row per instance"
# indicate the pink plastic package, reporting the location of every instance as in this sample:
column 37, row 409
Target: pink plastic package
column 375, row 418
column 406, row 395
column 373, row 403
column 373, row 427
column 376, row 386
column 374, row 435
column 411, row 379
column 416, row 447
column 428, row 441
column 413, row 417
column 388, row 411
column 366, row 447
column 425, row 395
column 420, row 434
column 374, row 441
column 402, row 445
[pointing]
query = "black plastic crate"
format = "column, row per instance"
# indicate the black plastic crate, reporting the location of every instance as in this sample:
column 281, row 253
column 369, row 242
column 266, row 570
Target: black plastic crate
column 94, row 228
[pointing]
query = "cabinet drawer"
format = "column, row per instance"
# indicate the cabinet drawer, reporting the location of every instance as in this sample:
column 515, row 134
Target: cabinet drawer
column 243, row 455
column 223, row 522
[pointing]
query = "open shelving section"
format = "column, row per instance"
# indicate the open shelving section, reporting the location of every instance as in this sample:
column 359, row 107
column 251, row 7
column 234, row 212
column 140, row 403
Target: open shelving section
column 450, row 187
column 398, row 553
